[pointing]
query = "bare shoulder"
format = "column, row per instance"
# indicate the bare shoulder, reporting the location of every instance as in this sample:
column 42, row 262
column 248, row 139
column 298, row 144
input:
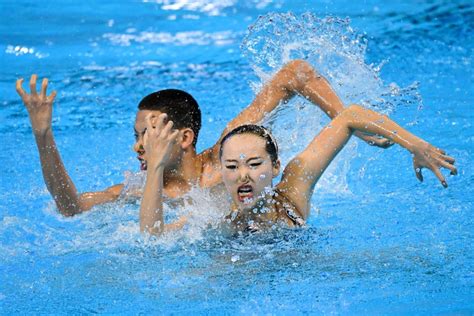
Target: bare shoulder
column 296, row 195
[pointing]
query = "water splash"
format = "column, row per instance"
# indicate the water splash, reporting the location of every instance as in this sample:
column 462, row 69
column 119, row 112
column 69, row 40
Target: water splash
column 338, row 53
column 332, row 46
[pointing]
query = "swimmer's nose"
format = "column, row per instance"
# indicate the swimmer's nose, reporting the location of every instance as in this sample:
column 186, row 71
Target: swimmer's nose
column 138, row 148
column 243, row 175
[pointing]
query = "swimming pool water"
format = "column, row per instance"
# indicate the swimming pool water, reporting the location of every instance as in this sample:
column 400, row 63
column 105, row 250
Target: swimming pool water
column 377, row 242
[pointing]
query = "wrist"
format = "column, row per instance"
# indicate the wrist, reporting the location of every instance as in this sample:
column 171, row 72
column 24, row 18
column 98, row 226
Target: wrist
column 416, row 144
column 155, row 169
column 42, row 132
column 44, row 138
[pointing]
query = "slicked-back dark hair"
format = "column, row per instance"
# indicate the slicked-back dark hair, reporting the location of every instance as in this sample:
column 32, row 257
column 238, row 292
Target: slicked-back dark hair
column 180, row 107
column 270, row 143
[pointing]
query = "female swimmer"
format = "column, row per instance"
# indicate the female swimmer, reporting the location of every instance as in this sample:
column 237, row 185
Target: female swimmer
column 249, row 162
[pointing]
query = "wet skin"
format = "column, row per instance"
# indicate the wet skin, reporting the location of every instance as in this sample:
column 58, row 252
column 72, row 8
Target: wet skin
column 297, row 77
column 139, row 131
column 247, row 171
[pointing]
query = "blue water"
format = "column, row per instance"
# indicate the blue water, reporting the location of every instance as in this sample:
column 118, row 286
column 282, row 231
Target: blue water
column 377, row 242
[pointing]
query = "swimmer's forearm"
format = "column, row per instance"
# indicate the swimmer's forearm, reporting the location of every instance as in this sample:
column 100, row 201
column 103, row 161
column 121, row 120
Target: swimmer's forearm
column 306, row 81
column 296, row 77
column 151, row 208
column 57, row 180
column 299, row 77
column 424, row 154
column 368, row 121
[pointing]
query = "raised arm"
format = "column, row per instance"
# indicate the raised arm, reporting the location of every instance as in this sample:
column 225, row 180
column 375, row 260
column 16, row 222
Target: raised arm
column 159, row 139
column 304, row 171
column 296, row 77
column 58, row 182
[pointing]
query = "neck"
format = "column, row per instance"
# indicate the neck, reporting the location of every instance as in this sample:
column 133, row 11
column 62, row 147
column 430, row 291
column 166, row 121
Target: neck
column 260, row 210
column 185, row 173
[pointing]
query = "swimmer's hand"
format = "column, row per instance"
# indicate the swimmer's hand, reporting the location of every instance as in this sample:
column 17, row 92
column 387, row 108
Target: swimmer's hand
column 158, row 140
column 426, row 155
column 179, row 224
column 39, row 106
column 373, row 140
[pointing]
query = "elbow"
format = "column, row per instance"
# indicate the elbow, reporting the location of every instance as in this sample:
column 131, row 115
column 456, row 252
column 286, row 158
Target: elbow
column 67, row 213
column 299, row 65
column 300, row 71
column 71, row 209
column 70, row 212
column 302, row 68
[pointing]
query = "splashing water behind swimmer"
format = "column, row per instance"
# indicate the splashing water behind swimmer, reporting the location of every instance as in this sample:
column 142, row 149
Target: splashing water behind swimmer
column 339, row 53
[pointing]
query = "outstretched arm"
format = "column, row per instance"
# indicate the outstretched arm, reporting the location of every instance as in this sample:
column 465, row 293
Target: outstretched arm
column 304, row 171
column 58, row 182
column 158, row 142
column 296, row 77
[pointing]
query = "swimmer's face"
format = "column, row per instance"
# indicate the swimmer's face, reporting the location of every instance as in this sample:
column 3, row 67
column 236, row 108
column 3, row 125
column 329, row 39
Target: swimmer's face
column 140, row 128
column 247, row 169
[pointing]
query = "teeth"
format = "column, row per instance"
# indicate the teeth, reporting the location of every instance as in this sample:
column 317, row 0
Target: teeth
column 245, row 190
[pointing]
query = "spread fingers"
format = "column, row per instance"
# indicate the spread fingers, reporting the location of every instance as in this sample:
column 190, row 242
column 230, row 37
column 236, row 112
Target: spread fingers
column 440, row 177
column 44, row 86
column 19, row 88
column 149, row 124
column 33, row 84
column 52, row 96
column 174, row 135
column 167, row 128
column 451, row 160
column 448, row 165
column 418, row 173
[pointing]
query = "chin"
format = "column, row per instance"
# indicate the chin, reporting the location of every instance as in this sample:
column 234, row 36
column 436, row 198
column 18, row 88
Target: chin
column 248, row 206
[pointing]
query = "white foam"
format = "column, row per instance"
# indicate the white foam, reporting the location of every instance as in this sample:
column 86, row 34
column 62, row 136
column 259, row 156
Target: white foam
column 337, row 52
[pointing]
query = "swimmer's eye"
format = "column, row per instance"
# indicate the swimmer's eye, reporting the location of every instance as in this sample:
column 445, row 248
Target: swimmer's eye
column 231, row 167
column 255, row 164
column 136, row 136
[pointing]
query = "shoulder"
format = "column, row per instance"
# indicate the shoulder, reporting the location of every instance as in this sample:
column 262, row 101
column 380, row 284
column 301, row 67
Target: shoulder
column 210, row 172
column 286, row 208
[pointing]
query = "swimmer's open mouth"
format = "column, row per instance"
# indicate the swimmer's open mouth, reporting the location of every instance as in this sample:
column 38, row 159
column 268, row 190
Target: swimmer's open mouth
column 142, row 163
column 245, row 193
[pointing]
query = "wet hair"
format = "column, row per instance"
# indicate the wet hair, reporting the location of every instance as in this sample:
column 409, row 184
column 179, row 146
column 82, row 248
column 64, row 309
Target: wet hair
column 180, row 107
column 270, row 144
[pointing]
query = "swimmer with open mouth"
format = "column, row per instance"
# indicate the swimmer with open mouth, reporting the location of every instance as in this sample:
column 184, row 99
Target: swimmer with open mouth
column 249, row 162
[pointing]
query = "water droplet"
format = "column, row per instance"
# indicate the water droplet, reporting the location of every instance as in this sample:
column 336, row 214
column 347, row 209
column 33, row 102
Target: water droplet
column 235, row 258
column 248, row 200
column 242, row 156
